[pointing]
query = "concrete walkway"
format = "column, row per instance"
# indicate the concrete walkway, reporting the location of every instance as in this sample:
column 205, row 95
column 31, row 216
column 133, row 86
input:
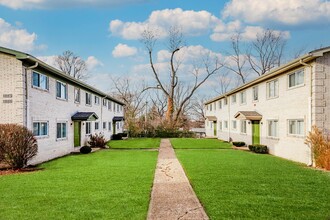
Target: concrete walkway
column 172, row 196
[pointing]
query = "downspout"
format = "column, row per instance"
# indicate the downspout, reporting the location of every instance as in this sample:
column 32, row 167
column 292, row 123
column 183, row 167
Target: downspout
column 229, row 121
column 27, row 110
column 311, row 162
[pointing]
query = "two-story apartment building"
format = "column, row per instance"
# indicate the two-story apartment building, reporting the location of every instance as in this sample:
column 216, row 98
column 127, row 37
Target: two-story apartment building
column 61, row 111
column 277, row 109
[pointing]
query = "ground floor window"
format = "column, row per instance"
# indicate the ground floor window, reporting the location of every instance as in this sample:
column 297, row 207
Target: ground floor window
column 225, row 123
column 40, row 129
column 88, row 128
column 243, row 127
column 61, row 130
column 272, row 128
column 234, row 124
column 296, row 126
column 117, row 125
column 104, row 125
column 109, row 126
column 220, row 125
column 96, row 125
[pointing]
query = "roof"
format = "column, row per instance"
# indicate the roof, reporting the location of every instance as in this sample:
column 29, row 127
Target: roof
column 118, row 118
column 248, row 115
column 27, row 58
column 211, row 118
column 84, row 116
column 276, row 71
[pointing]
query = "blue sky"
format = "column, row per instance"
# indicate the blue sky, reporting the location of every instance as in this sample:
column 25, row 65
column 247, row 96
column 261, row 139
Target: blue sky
column 106, row 32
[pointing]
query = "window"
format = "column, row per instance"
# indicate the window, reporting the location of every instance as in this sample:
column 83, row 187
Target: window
column 272, row 89
column 117, row 123
column 105, row 102
column 243, row 97
column 88, row 98
column 220, row 125
column 234, row 124
column 109, row 126
column 272, row 128
column 225, row 123
column 296, row 127
column 220, row 104
column 114, row 107
column 296, row 78
column 61, row 130
column 255, row 93
column 121, row 108
column 210, row 107
column 225, row 101
column 233, row 99
column 96, row 125
column 40, row 81
column 96, row 100
column 211, row 124
column 243, row 127
column 88, row 128
column 215, row 106
column 104, row 125
column 207, row 107
column 61, row 90
column 40, row 129
column 117, row 108
column 109, row 105
column 77, row 95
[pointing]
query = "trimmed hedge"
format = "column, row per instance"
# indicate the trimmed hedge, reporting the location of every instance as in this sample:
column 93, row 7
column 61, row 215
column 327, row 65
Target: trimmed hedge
column 238, row 143
column 85, row 150
column 259, row 148
column 117, row 136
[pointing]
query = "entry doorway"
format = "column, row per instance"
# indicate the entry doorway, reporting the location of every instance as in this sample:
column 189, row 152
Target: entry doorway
column 255, row 132
column 77, row 133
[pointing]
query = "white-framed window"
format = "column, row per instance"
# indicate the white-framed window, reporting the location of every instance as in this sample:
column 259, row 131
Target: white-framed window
column 243, row 98
column 61, row 130
column 296, row 127
column 225, row 124
column 76, row 95
column 272, row 128
column 105, row 102
column 220, row 125
column 211, row 124
column 296, row 79
column 255, row 95
column 233, row 99
column 272, row 89
column 40, row 128
column 243, row 127
column 104, row 125
column 220, row 104
column 211, row 107
column 121, row 108
column 97, row 125
column 61, row 90
column 109, row 126
column 88, row 98
column 117, row 108
column 88, row 128
column 109, row 105
column 96, row 100
column 234, row 124
column 117, row 123
column 114, row 107
column 215, row 106
column 40, row 81
column 225, row 101
column 207, row 107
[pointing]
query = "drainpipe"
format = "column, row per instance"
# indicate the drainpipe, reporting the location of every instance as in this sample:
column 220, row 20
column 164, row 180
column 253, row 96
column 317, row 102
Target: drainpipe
column 229, row 121
column 309, row 106
column 27, row 110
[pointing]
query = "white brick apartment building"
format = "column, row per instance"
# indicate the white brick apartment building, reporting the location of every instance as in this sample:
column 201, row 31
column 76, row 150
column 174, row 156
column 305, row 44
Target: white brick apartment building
column 277, row 109
column 61, row 111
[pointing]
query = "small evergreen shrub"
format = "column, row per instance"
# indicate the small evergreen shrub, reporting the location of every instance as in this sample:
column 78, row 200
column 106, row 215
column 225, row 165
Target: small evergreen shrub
column 259, row 148
column 97, row 140
column 116, row 137
column 17, row 145
column 85, row 150
column 238, row 143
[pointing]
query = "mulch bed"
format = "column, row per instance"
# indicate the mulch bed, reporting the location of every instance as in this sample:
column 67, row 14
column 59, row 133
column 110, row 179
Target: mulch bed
column 6, row 171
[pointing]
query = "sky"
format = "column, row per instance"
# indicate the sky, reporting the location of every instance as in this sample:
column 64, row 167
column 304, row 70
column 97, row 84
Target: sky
column 106, row 33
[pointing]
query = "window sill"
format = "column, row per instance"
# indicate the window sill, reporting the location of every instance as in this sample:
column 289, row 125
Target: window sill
column 297, row 86
column 61, row 99
column 42, row 137
column 270, row 98
column 243, row 133
column 273, row 138
column 61, row 139
column 296, row 136
column 40, row 89
column 88, row 105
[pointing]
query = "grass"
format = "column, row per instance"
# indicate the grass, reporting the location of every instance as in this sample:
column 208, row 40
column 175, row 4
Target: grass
column 102, row 185
column 235, row 185
column 135, row 143
column 193, row 143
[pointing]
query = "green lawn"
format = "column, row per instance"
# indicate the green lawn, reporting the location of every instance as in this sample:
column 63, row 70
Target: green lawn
column 193, row 143
column 102, row 185
column 233, row 184
column 135, row 143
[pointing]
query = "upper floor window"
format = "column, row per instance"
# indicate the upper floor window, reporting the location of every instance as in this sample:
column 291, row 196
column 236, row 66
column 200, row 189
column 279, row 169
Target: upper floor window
column 296, row 78
column 272, row 128
column 114, row 107
column 210, row 107
column 225, row 101
column 243, row 97
column 88, row 98
column 255, row 93
column 233, row 98
column 220, row 104
column 272, row 89
column 105, row 102
column 40, row 81
column 40, row 129
column 61, row 90
column 117, row 108
column 109, row 105
column 296, row 126
column 96, row 100
column 77, row 95
column 61, row 130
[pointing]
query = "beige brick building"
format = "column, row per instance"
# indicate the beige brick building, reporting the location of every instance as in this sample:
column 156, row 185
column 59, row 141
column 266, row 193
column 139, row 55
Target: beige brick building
column 277, row 109
column 61, row 111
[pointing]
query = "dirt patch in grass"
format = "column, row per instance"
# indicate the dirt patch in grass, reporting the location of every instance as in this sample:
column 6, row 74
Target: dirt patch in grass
column 6, row 171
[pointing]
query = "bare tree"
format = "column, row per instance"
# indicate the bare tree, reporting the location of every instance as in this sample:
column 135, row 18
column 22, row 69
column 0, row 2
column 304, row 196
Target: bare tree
column 266, row 51
column 72, row 65
column 223, row 83
column 198, row 107
column 175, row 43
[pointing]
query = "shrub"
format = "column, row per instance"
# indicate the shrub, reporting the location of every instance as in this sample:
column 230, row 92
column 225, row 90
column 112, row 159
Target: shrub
column 259, row 148
column 17, row 145
column 320, row 147
column 116, row 137
column 97, row 140
column 85, row 150
column 238, row 143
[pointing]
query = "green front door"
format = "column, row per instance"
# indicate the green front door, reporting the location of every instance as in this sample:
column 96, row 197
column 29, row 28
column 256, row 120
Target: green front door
column 255, row 132
column 215, row 128
column 76, row 134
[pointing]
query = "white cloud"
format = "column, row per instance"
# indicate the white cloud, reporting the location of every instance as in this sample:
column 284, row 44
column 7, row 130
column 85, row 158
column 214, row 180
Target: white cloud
column 289, row 12
column 123, row 50
column 47, row 4
column 15, row 38
column 50, row 60
column 92, row 63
